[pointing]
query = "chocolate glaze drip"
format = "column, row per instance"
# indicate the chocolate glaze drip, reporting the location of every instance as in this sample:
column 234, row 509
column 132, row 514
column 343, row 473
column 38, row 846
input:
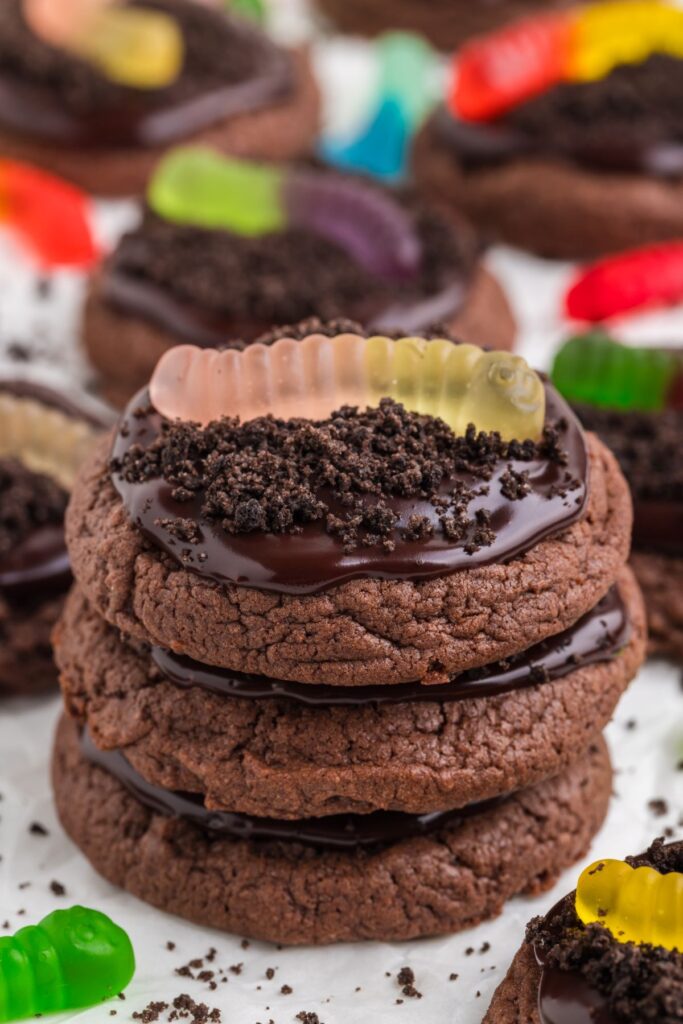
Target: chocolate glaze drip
column 565, row 997
column 337, row 832
column 597, row 637
column 140, row 119
column 190, row 323
column 313, row 560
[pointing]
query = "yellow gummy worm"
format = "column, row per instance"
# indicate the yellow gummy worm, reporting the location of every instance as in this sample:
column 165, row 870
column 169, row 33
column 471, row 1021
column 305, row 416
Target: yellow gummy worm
column 635, row 904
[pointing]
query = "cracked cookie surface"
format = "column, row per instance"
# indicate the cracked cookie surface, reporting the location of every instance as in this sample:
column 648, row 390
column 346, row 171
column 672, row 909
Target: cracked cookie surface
column 362, row 631
column 274, row 757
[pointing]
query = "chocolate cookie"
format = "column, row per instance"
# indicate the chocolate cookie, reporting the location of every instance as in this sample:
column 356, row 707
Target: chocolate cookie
column 445, row 23
column 363, row 631
column 648, row 447
column 237, row 92
column 169, row 283
column 571, row 971
column 583, row 169
column 43, row 438
column 286, row 891
column 417, row 750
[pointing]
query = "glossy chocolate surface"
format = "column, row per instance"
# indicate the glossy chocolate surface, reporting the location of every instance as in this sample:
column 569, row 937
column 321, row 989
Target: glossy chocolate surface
column 597, row 637
column 137, row 118
column 338, row 832
column 565, row 997
column 313, row 560
column 190, row 323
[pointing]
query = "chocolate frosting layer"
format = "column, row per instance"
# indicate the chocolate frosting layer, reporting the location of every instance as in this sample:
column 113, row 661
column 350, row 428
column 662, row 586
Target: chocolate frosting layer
column 207, row 287
column 313, row 560
column 565, row 997
column 54, row 97
column 339, row 832
column 197, row 326
column 630, row 121
column 597, row 637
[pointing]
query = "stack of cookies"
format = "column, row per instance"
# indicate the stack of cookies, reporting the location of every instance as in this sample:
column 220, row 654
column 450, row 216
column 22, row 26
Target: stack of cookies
column 343, row 677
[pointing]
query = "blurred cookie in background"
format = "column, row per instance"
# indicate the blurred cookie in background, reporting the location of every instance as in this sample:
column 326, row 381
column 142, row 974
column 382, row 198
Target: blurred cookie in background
column 444, row 23
column 43, row 439
column 227, row 249
column 98, row 99
column 563, row 134
column 633, row 399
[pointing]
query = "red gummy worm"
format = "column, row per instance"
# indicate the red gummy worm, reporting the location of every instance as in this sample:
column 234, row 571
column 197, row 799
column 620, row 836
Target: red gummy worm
column 651, row 276
column 51, row 215
column 499, row 71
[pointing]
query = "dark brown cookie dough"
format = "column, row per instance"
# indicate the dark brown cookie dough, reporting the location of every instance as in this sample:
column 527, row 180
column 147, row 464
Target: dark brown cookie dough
column 446, row 23
column 363, row 631
column 125, row 348
column 298, row 895
column 553, row 208
column 281, row 132
column 661, row 580
column 276, row 758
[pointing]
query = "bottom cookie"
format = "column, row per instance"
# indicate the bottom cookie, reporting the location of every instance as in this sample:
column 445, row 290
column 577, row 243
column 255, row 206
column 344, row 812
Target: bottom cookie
column 661, row 580
column 293, row 893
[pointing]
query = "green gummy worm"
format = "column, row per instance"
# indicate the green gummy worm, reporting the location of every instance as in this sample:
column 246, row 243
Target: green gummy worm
column 73, row 959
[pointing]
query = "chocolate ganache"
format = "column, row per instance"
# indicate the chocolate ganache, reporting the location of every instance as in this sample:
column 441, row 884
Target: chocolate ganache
column 205, row 287
column 230, row 68
column 489, row 508
column 565, row 997
column 598, row 637
column 630, row 121
column 338, row 832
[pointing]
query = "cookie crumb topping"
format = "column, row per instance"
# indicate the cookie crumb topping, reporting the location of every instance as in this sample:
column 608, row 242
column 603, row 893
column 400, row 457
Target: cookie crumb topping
column 27, row 501
column 647, row 447
column 275, row 476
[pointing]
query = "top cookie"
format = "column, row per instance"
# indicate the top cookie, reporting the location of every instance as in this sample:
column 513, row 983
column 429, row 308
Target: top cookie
column 365, row 547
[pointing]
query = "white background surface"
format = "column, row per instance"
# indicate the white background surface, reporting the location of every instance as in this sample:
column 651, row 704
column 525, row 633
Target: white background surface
column 324, row 981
